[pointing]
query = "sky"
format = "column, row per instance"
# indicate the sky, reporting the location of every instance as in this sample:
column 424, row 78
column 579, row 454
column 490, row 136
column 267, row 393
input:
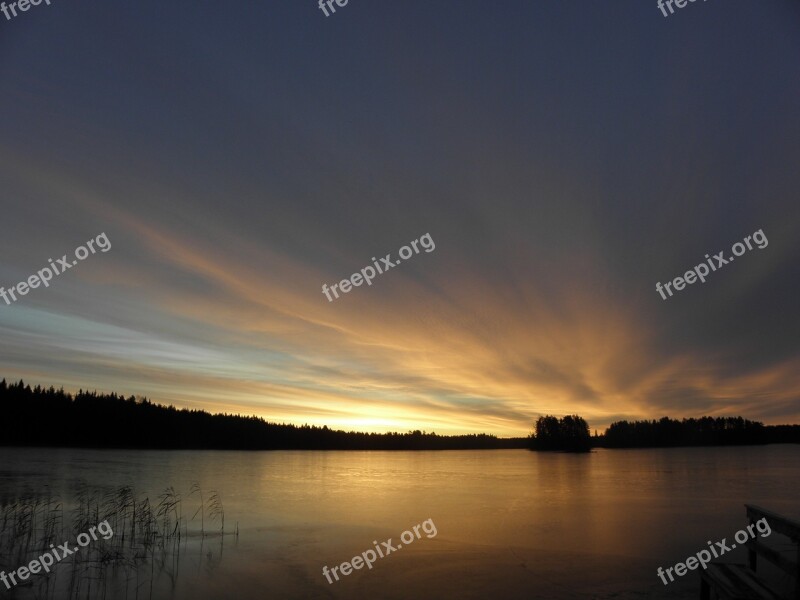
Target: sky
column 563, row 156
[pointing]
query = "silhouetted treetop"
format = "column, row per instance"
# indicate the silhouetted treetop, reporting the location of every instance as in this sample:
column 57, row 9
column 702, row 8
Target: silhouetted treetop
column 568, row 434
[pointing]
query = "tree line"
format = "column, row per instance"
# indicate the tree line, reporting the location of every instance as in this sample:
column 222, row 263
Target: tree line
column 705, row 431
column 571, row 433
column 50, row 417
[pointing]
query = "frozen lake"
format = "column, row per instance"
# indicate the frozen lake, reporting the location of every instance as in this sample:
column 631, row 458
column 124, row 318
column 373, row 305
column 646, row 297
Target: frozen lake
column 509, row 523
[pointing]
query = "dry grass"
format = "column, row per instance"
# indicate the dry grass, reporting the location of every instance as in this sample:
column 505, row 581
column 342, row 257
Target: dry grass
column 147, row 543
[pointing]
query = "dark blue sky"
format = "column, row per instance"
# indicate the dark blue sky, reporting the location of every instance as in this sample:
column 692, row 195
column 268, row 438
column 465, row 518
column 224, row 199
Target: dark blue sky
column 564, row 156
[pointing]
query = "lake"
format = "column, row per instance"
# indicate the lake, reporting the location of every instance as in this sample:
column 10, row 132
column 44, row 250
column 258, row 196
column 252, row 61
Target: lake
column 508, row 523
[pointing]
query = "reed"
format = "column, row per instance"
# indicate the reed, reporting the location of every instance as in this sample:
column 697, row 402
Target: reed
column 146, row 543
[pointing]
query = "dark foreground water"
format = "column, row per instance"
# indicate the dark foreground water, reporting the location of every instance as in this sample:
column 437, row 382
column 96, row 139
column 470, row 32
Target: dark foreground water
column 508, row 523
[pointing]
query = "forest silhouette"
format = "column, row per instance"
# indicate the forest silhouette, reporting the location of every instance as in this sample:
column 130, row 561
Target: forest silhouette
column 50, row 417
column 705, row 431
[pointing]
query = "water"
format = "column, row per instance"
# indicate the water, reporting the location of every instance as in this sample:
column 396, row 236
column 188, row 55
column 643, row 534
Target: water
column 509, row 523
